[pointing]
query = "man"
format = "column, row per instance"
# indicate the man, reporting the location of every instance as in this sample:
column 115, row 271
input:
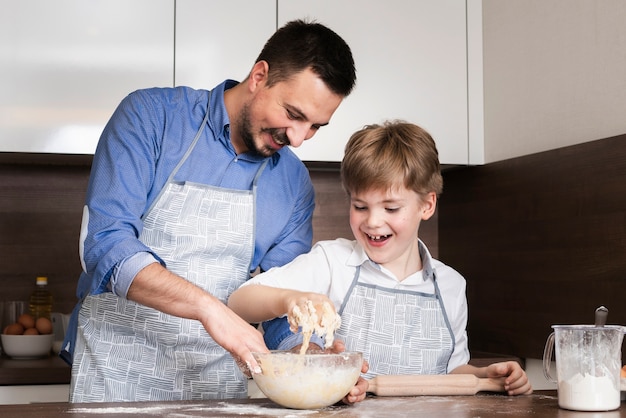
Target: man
column 190, row 191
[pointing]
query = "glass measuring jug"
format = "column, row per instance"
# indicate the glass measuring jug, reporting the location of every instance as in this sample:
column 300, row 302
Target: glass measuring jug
column 588, row 362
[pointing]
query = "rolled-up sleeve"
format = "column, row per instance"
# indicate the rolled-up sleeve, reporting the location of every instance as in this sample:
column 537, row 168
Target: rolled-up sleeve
column 122, row 175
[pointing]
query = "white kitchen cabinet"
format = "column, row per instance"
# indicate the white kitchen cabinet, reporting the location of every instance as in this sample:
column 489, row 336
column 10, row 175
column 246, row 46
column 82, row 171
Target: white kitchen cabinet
column 216, row 40
column 66, row 64
column 411, row 61
column 66, row 67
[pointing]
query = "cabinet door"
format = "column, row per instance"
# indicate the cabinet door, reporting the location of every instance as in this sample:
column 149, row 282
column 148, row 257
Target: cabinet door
column 27, row 394
column 216, row 40
column 411, row 64
column 66, row 64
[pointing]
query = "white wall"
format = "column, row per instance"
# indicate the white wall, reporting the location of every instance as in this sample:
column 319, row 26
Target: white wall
column 534, row 371
column 554, row 74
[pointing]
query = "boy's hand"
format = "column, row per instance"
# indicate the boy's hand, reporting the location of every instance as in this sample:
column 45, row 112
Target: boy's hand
column 359, row 391
column 516, row 382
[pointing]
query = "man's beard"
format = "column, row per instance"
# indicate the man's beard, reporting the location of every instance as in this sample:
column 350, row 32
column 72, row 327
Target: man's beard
column 245, row 129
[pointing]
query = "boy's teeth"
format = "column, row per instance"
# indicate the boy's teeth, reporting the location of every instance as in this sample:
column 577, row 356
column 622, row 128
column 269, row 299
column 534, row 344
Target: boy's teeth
column 377, row 237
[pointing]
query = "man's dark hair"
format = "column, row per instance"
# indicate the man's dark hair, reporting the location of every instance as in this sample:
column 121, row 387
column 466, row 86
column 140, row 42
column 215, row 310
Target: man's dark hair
column 299, row 45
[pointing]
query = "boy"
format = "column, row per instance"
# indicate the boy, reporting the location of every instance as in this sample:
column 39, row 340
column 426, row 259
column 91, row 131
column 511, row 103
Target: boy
column 406, row 311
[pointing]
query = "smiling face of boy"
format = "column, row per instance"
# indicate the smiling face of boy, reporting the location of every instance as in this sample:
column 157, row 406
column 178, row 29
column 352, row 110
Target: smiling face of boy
column 386, row 224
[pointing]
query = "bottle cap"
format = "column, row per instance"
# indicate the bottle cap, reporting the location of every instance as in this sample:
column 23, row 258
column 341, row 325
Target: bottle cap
column 42, row 280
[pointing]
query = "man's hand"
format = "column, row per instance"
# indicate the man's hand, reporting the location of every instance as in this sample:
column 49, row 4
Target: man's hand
column 238, row 337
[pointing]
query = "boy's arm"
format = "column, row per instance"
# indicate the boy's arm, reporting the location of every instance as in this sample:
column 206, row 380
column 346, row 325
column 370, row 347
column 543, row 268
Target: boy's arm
column 257, row 303
column 244, row 302
column 248, row 304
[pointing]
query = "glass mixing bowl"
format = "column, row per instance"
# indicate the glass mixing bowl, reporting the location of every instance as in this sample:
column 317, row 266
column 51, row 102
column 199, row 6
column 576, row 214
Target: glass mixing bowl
column 307, row 381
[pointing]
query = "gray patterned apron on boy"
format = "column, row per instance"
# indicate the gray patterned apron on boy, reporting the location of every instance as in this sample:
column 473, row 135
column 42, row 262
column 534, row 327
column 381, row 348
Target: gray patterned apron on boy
column 135, row 353
column 398, row 331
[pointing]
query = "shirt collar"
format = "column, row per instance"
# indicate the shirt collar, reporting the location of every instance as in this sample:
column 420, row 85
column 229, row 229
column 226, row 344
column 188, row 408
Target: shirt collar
column 359, row 257
column 219, row 123
column 428, row 270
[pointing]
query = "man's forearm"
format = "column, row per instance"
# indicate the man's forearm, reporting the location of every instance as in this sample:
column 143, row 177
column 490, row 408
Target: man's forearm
column 159, row 288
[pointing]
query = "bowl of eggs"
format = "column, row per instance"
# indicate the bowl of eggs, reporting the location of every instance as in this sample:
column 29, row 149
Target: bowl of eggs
column 28, row 337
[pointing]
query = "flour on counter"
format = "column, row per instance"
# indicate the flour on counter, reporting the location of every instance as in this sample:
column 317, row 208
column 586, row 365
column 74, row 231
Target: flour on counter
column 149, row 410
column 240, row 409
column 196, row 410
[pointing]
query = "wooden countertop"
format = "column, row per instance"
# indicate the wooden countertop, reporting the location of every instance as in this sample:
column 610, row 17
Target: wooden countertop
column 485, row 405
column 49, row 370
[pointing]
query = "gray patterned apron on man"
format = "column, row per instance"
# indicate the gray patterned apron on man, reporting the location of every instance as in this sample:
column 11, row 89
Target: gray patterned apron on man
column 398, row 331
column 135, row 353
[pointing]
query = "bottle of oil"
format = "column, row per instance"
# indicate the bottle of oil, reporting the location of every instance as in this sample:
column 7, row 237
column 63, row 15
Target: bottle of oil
column 41, row 299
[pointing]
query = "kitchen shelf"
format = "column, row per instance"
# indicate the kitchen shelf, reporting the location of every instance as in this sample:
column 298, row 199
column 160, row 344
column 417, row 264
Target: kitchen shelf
column 44, row 371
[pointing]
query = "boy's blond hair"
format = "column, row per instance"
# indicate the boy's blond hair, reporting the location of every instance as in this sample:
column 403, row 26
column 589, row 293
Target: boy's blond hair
column 394, row 154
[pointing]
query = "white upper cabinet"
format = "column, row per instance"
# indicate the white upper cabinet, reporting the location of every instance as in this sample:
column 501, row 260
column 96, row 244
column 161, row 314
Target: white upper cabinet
column 216, row 40
column 411, row 62
column 66, row 64
column 489, row 79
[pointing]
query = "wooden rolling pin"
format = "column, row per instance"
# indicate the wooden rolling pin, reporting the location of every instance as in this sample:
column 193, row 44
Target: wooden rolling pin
column 444, row 384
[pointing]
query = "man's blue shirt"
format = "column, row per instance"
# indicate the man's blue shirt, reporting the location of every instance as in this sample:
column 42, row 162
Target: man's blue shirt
column 147, row 136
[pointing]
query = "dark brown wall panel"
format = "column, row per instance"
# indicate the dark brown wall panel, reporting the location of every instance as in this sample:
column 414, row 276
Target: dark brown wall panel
column 541, row 240
column 41, row 200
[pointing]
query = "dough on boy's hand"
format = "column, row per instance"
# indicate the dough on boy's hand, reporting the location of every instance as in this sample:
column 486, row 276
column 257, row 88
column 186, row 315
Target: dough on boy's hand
column 310, row 322
column 328, row 324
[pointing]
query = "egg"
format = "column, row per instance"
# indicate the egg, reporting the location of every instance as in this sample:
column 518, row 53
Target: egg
column 14, row 329
column 44, row 325
column 26, row 320
column 31, row 331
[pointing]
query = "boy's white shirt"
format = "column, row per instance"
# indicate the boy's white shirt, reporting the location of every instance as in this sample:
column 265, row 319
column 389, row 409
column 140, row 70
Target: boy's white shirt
column 330, row 266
